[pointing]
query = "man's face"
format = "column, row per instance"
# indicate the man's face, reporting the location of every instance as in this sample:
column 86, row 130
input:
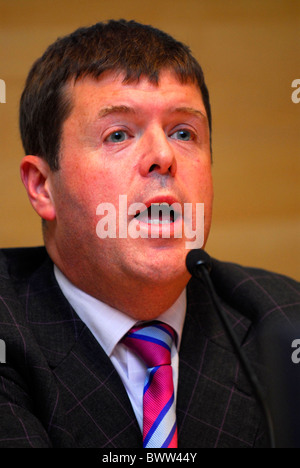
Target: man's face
column 148, row 143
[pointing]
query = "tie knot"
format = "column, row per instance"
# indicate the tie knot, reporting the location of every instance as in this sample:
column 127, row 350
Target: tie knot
column 151, row 342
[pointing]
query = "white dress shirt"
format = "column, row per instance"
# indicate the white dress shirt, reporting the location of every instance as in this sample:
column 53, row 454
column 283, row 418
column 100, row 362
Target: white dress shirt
column 109, row 325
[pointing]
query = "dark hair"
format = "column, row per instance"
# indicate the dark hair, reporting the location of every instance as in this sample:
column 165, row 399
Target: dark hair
column 126, row 46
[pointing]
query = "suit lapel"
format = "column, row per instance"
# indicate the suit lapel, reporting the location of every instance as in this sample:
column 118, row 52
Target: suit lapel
column 96, row 404
column 97, row 411
column 212, row 393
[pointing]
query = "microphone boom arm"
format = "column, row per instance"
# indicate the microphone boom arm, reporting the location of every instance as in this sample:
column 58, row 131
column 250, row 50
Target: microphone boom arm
column 198, row 264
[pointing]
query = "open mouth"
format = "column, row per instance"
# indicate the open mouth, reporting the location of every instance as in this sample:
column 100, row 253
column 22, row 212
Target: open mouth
column 158, row 214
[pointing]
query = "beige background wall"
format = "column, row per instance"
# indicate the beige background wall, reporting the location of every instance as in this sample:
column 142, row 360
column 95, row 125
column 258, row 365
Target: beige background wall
column 250, row 52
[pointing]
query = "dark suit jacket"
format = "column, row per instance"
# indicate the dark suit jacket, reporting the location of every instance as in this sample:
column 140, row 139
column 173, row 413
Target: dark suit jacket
column 59, row 389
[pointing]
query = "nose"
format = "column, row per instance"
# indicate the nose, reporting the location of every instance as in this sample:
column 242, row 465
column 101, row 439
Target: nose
column 158, row 155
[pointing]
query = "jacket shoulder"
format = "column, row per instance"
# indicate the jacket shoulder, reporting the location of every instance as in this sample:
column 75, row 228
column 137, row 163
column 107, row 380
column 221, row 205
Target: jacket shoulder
column 256, row 291
column 21, row 262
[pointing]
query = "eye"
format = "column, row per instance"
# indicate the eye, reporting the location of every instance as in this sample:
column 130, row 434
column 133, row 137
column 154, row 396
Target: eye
column 117, row 136
column 183, row 135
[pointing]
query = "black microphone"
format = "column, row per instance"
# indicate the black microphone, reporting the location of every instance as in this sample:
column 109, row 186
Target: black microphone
column 198, row 264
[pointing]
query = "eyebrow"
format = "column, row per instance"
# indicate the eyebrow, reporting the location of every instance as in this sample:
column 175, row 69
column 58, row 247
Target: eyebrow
column 191, row 110
column 115, row 110
column 130, row 110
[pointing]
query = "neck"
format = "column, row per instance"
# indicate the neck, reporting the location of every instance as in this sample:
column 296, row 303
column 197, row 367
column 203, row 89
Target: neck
column 138, row 300
column 142, row 296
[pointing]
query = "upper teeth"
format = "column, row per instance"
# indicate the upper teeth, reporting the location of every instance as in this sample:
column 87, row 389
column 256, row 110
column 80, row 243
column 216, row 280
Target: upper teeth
column 159, row 221
column 157, row 213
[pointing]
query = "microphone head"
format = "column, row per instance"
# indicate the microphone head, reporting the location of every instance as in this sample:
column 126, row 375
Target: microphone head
column 195, row 259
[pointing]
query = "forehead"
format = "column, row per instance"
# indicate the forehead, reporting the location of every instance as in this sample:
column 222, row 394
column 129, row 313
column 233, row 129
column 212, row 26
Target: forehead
column 110, row 89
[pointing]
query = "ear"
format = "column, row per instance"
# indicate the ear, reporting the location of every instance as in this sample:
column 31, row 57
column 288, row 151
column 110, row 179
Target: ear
column 35, row 175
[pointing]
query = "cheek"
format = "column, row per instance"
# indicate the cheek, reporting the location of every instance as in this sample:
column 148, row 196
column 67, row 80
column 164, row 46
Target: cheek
column 206, row 184
column 199, row 180
column 203, row 187
column 80, row 188
column 207, row 194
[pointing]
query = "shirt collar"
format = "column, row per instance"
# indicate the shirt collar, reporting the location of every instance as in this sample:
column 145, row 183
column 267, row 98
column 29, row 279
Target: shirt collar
column 109, row 325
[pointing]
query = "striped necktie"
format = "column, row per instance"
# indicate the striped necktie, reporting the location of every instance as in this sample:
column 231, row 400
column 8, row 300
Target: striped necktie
column 152, row 343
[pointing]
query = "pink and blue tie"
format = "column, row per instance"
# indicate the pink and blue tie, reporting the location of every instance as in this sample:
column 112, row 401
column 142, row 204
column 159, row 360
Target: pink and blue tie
column 152, row 343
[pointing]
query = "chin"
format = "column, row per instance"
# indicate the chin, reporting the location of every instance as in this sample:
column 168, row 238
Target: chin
column 163, row 265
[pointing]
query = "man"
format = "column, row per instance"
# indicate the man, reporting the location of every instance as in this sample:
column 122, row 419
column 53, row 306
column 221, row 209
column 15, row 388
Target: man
column 111, row 111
